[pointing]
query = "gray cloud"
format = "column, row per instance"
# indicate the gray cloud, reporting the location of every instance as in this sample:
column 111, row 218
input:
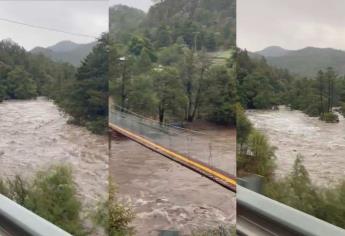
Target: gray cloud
column 84, row 17
column 140, row 4
column 292, row 24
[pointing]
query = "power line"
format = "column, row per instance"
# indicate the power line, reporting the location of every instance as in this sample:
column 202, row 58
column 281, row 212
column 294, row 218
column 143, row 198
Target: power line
column 47, row 28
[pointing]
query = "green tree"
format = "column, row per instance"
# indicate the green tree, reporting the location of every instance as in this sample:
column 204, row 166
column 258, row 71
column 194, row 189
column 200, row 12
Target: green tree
column 256, row 156
column 20, row 84
column 170, row 56
column 321, row 89
column 193, row 71
column 4, row 70
column 144, row 61
column 163, row 36
column 243, row 126
column 261, row 153
column 88, row 95
column 330, row 76
column 295, row 190
column 168, row 90
column 51, row 194
column 142, row 98
column 210, row 42
column 221, row 95
column 138, row 44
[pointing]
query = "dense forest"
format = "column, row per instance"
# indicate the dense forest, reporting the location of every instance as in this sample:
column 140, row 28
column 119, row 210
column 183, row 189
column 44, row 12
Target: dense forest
column 261, row 86
column 25, row 76
column 176, row 63
column 80, row 92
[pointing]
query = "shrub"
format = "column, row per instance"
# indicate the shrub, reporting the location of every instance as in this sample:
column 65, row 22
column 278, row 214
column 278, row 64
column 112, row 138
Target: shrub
column 258, row 156
column 312, row 110
column 329, row 117
column 219, row 231
column 331, row 208
column 297, row 191
column 243, row 125
column 51, row 195
column 98, row 126
column 114, row 216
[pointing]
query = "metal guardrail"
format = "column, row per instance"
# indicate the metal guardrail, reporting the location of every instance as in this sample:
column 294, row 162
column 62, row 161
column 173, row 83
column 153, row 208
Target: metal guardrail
column 280, row 216
column 17, row 220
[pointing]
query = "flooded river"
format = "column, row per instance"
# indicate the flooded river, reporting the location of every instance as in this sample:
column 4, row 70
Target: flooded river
column 165, row 195
column 293, row 132
column 34, row 135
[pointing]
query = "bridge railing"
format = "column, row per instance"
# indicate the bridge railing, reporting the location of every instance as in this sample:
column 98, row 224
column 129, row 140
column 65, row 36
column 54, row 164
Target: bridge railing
column 17, row 220
column 283, row 215
column 197, row 145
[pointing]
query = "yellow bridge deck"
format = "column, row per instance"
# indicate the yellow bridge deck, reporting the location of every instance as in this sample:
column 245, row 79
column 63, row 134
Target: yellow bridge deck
column 218, row 176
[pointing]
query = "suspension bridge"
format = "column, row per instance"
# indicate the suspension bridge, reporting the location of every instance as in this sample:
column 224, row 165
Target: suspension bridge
column 192, row 149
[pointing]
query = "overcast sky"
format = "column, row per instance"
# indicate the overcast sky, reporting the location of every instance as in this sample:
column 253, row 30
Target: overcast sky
column 141, row 4
column 292, row 24
column 83, row 17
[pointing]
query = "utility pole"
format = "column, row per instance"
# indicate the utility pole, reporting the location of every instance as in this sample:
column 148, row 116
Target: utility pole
column 123, row 80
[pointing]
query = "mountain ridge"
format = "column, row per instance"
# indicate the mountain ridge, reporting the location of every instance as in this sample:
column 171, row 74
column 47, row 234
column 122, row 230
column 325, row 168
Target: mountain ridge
column 273, row 51
column 306, row 61
column 66, row 51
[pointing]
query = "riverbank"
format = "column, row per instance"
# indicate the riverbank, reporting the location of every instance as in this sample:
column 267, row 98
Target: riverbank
column 321, row 144
column 35, row 135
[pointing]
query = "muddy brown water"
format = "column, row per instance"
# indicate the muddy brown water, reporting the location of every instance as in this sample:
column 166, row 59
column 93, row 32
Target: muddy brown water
column 321, row 144
column 34, row 135
column 165, row 195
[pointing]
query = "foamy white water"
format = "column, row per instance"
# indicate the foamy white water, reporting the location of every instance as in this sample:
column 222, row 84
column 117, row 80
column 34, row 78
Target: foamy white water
column 293, row 132
column 165, row 195
column 34, row 135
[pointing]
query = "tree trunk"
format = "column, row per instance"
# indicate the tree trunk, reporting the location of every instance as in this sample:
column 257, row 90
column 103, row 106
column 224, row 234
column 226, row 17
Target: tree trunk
column 123, row 88
column 321, row 99
column 161, row 113
column 197, row 98
column 190, row 102
column 329, row 94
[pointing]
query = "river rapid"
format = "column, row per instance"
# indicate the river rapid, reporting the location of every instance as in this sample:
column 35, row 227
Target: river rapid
column 34, row 135
column 292, row 132
column 165, row 195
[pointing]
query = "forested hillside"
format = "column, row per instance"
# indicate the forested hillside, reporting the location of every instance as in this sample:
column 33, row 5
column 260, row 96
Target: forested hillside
column 167, row 68
column 81, row 92
column 123, row 21
column 306, row 61
column 66, row 51
column 24, row 75
column 203, row 24
column 209, row 24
